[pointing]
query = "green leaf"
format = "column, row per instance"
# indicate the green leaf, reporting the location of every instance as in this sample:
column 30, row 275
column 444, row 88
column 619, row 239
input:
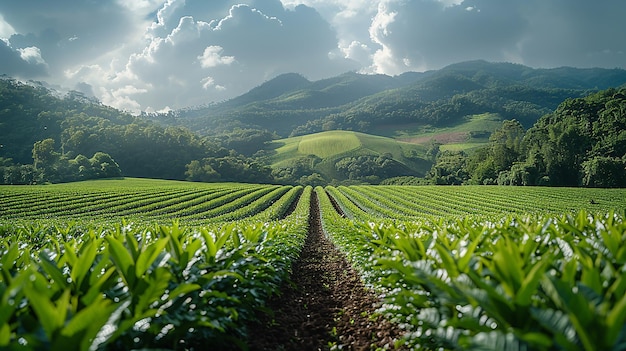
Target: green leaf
column 85, row 325
column 122, row 259
column 133, row 245
column 579, row 311
column 147, row 257
column 70, row 254
column 569, row 270
column 615, row 320
column 13, row 293
column 176, row 247
column 7, row 262
column 184, row 289
column 50, row 267
column 50, row 316
column 558, row 323
column 112, row 329
column 591, row 276
column 618, row 288
column 86, row 258
column 157, row 283
column 190, row 251
column 5, row 334
column 447, row 261
column 509, row 262
column 531, row 281
column 95, row 289
column 537, row 340
column 494, row 340
column 463, row 261
column 210, row 243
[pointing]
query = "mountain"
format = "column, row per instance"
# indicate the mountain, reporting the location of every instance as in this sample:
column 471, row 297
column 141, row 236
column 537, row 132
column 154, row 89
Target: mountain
column 291, row 105
column 271, row 89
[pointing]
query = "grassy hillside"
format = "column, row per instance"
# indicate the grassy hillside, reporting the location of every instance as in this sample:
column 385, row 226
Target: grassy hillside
column 329, row 144
column 471, row 133
column 330, row 147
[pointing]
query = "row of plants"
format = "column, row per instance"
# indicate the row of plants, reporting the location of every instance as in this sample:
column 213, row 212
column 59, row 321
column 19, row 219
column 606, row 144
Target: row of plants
column 536, row 282
column 53, row 202
column 199, row 204
column 417, row 202
column 248, row 205
column 279, row 206
column 137, row 286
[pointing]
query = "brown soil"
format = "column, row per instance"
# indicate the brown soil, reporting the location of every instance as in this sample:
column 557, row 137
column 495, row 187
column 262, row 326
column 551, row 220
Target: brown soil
column 325, row 305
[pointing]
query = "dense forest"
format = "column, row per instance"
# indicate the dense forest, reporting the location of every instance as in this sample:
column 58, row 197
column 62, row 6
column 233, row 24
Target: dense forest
column 581, row 143
column 45, row 137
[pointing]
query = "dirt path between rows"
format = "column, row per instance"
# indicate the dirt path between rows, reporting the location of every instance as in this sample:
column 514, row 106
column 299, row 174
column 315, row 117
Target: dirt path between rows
column 326, row 305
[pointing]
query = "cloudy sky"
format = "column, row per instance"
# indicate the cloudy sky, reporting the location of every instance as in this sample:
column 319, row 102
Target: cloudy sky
column 155, row 55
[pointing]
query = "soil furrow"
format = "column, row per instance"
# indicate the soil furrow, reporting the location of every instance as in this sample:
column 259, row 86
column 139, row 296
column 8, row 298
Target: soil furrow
column 325, row 305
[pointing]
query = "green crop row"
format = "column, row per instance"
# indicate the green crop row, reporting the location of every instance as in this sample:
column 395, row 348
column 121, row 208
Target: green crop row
column 192, row 202
column 278, row 206
column 419, row 202
column 520, row 283
column 249, row 205
column 141, row 286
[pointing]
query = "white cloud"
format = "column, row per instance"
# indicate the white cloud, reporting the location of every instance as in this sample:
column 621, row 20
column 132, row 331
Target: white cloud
column 358, row 52
column 32, row 55
column 177, row 53
column 209, row 83
column 385, row 60
column 121, row 98
column 191, row 60
column 21, row 63
column 212, row 57
column 6, row 30
column 143, row 7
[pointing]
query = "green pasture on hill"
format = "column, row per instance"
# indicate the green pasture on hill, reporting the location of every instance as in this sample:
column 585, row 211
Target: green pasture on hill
column 405, row 143
column 331, row 146
column 328, row 144
column 472, row 133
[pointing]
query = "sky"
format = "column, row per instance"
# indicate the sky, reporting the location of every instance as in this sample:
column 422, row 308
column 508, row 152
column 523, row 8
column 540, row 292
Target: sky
column 158, row 55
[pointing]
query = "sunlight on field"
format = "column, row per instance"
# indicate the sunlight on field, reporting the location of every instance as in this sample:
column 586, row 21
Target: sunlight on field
column 328, row 143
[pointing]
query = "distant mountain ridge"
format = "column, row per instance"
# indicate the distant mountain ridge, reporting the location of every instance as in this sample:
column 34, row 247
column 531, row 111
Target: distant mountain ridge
column 292, row 105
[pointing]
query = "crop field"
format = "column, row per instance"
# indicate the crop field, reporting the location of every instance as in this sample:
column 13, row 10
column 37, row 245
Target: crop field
column 434, row 202
column 149, row 200
column 500, row 274
column 145, row 264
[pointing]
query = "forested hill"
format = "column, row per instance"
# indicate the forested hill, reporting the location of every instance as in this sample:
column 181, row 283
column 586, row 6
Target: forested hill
column 46, row 137
column 581, row 143
column 292, row 105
